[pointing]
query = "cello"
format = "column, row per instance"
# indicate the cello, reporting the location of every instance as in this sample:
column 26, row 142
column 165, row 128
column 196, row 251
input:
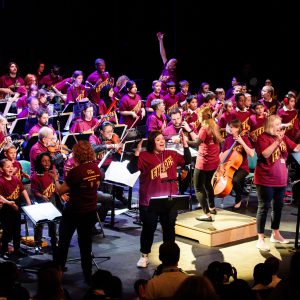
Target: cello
column 222, row 178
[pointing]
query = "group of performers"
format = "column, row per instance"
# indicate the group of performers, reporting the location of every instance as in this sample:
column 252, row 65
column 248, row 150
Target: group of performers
column 205, row 121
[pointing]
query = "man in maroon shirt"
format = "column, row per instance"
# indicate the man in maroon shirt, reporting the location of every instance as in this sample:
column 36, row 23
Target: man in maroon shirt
column 97, row 80
column 11, row 82
column 42, row 117
column 49, row 80
column 45, row 139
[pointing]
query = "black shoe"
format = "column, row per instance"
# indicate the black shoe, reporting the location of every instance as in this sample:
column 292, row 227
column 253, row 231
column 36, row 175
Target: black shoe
column 204, row 218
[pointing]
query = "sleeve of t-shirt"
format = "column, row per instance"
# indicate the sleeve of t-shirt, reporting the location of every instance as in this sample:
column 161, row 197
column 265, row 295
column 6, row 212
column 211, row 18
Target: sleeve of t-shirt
column 34, row 184
column 290, row 144
column 247, row 141
column 225, row 145
column 261, row 144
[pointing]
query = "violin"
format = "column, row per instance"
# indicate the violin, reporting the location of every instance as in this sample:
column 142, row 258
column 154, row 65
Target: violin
column 59, row 148
column 115, row 140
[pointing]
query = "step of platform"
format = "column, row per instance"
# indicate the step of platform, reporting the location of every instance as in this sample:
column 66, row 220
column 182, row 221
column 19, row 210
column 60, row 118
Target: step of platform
column 227, row 227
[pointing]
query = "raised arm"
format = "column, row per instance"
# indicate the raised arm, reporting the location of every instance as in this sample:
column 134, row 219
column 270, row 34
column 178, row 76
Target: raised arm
column 162, row 50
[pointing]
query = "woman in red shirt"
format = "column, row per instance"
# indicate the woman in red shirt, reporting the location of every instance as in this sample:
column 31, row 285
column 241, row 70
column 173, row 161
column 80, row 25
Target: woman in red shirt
column 271, row 178
column 206, row 163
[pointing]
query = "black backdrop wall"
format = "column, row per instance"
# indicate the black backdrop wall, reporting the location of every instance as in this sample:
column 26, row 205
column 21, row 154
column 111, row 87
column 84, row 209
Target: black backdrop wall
column 212, row 40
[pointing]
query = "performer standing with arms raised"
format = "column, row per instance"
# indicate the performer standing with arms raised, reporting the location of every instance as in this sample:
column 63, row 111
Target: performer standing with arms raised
column 158, row 168
column 271, row 178
column 82, row 183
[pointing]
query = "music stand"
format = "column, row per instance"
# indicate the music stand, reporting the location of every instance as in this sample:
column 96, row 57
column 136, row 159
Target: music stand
column 62, row 118
column 129, row 148
column 72, row 138
column 119, row 130
column 18, row 125
column 2, row 106
column 68, row 108
column 164, row 203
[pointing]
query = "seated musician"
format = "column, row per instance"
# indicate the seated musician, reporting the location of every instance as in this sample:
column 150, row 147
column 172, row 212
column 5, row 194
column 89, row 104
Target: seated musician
column 22, row 101
column 31, row 109
column 156, row 94
column 103, row 140
column 131, row 106
column 171, row 132
column 108, row 105
column 77, row 91
column 245, row 148
column 4, row 139
column 45, row 139
column 49, row 80
column 157, row 121
column 87, row 121
column 42, row 118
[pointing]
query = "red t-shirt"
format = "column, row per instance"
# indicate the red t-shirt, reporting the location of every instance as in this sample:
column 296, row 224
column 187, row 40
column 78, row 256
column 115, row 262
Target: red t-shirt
column 256, row 126
column 36, row 149
column 272, row 171
column 82, row 125
column 83, row 181
column 11, row 189
column 228, row 143
column 43, row 183
column 208, row 152
column 290, row 116
column 171, row 102
column 19, row 169
column 128, row 103
column 154, row 169
column 156, row 123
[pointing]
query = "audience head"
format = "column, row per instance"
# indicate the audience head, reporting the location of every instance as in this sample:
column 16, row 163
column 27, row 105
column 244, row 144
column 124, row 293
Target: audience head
column 169, row 253
column 195, row 287
column 274, row 263
column 262, row 274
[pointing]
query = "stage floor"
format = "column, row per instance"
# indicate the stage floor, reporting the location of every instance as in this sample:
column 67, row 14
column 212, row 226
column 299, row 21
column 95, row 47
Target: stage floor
column 122, row 245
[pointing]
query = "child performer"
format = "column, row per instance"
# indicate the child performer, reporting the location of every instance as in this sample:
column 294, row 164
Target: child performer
column 10, row 152
column 11, row 189
column 44, row 186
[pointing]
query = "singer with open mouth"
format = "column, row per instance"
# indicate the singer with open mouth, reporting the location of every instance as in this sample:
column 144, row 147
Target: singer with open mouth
column 158, row 177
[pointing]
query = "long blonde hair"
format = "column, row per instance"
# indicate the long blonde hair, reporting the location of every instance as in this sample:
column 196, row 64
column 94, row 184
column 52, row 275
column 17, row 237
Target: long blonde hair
column 209, row 123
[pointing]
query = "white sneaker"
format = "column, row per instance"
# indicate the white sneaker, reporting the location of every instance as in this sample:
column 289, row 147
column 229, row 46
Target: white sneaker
column 143, row 262
column 281, row 241
column 262, row 246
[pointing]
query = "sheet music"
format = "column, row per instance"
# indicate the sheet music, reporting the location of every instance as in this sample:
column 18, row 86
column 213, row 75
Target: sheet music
column 179, row 149
column 118, row 172
column 42, row 212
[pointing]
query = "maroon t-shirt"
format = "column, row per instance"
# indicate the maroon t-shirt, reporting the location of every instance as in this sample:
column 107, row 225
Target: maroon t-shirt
column 192, row 118
column 290, row 116
column 95, row 78
column 11, row 189
column 22, row 102
column 111, row 117
column 19, row 169
column 272, row 171
column 49, row 81
column 76, row 93
column 170, row 76
column 36, row 128
column 208, row 152
column 82, row 125
column 83, row 181
column 154, row 169
column 7, row 81
column 128, row 103
column 270, row 107
column 223, row 121
column 181, row 97
column 243, row 116
column 156, row 123
column 171, row 102
column 2, row 137
column 151, row 97
column 63, row 85
column 228, row 143
column 36, row 149
column 43, row 183
column 256, row 126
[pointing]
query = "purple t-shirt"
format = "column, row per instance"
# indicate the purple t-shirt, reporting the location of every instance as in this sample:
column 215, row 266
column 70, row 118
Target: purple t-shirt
column 156, row 123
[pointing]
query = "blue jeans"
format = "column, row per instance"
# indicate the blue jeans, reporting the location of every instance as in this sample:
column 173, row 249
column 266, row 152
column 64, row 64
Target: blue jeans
column 269, row 195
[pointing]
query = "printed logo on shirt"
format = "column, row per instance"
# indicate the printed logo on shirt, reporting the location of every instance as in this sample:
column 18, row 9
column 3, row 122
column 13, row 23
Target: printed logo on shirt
column 48, row 192
column 15, row 194
column 256, row 133
column 162, row 168
column 277, row 153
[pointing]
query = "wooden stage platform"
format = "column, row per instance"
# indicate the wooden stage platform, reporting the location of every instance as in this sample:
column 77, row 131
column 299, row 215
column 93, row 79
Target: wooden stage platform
column 227, row 227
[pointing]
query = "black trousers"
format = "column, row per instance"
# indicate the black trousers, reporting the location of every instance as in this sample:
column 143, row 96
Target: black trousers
column 150, row 218
column 238, row 181
column 84, row 224
column 11, row 226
